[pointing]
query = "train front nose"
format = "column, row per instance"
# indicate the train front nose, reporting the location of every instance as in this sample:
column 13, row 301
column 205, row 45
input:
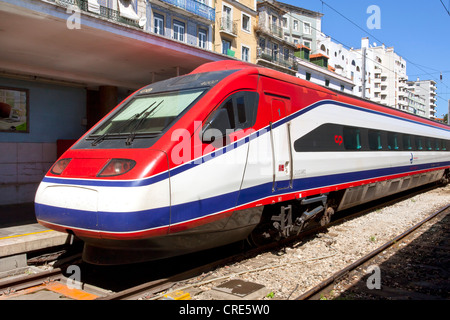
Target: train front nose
column 91, row 198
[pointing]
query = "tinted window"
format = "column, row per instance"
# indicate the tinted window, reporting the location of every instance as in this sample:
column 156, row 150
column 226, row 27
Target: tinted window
column 352, row 138
column 407, row 145
column 375, row 140
column 241, row 110
column 393, row 141
column 334, row 137
column 327, row 137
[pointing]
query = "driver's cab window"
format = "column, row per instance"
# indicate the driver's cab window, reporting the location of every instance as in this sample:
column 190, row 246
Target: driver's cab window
column 237, row 112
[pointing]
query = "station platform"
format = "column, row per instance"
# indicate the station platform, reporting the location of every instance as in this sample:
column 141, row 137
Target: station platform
column 20, row 233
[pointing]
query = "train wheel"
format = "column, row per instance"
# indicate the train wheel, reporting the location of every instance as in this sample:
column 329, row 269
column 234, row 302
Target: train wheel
column 326, row 217
column 261, row 235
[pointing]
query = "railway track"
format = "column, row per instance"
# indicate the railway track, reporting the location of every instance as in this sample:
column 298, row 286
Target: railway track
column 369, row 286
column 54, row 283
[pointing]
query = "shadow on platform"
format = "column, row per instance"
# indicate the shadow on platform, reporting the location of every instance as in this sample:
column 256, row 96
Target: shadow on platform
column 17, row 215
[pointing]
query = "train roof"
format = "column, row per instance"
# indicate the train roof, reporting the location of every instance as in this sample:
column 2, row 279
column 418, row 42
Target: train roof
column 337, row 95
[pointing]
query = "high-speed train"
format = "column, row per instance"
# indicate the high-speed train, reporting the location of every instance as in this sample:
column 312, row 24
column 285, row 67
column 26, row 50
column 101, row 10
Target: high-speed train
column 229, row 152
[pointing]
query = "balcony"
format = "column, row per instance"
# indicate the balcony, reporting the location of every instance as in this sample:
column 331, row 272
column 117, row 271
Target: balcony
column 273, row 30
column 276, row 30
column 276, row 57
column 102, row 11
column 195, row 7
column 228, row 26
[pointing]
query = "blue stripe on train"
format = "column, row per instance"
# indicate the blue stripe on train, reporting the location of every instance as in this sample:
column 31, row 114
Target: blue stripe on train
column 153, row 218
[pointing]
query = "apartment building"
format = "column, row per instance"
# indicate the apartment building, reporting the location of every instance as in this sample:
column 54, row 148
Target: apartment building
column 187, row 21
column 426, row 89
column 273, row 50
column 235, row 29
column 300, row 26
column 318, row 70
column 416, row 102
column 385, row 75
column 344, row 62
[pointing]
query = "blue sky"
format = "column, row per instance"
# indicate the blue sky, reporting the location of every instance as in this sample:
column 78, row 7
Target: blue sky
column 419, row 31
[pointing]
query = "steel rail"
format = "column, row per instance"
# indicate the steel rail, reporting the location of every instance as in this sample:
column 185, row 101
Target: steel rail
column 14, row 285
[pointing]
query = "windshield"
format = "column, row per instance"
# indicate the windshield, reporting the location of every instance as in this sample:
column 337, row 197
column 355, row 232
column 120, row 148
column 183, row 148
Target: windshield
column 148, row 115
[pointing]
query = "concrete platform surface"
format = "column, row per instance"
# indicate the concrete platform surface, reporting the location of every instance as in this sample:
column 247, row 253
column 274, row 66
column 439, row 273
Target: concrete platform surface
column 20, row 232
column 30, row 237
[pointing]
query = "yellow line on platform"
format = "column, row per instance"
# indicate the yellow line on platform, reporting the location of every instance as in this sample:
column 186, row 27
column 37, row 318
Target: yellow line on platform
column 26, row 234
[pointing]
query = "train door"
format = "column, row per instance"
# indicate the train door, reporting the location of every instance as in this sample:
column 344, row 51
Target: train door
column 281, row 145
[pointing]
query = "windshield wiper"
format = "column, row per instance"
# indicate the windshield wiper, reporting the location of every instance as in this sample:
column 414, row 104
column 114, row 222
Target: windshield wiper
column 135, row 117
column 145, row 114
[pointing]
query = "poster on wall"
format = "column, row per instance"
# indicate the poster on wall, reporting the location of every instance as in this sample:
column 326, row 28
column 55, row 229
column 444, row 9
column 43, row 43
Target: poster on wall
column 14, row 110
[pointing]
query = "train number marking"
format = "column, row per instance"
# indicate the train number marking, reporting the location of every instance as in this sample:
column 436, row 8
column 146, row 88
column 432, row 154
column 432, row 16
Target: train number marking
column 338, row 139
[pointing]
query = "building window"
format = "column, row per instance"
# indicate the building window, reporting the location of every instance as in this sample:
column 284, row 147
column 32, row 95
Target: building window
column 308, row 76
column 275, row 52
column 202, row 38
column 158, row 21
column 284, row 22
column 227, row 15
column 262, row 43
column 245, row 54
column 296, row 25
column 178, row 30
column 245, row 22
column 286, row 54
column 306, row 28
column 327, row 83
column 226, row 45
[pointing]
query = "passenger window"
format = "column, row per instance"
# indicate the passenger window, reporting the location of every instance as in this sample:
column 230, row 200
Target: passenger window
column 443, row 145
column 392, row 141
column 437, row 144
column 241, row 112
column 428, row 144
column 375, row 140
column 419, row 145
column 352, row 138
column 407, row 142
column 237, row 112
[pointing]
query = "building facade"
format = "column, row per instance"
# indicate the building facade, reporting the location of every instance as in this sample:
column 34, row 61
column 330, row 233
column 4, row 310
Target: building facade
column 426, row 90
column 273, row 50
column 187, row 21
column 415, row 102
column 385, row 74
column 235, row 29
column 322, row 75
column 345, row 63
column 300, row 26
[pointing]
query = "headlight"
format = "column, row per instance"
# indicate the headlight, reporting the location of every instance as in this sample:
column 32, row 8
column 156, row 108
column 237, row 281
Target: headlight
column 116, row 167
column 59, row 166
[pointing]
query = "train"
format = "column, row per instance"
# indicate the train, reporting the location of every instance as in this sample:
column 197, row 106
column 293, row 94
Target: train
column 229, row 152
